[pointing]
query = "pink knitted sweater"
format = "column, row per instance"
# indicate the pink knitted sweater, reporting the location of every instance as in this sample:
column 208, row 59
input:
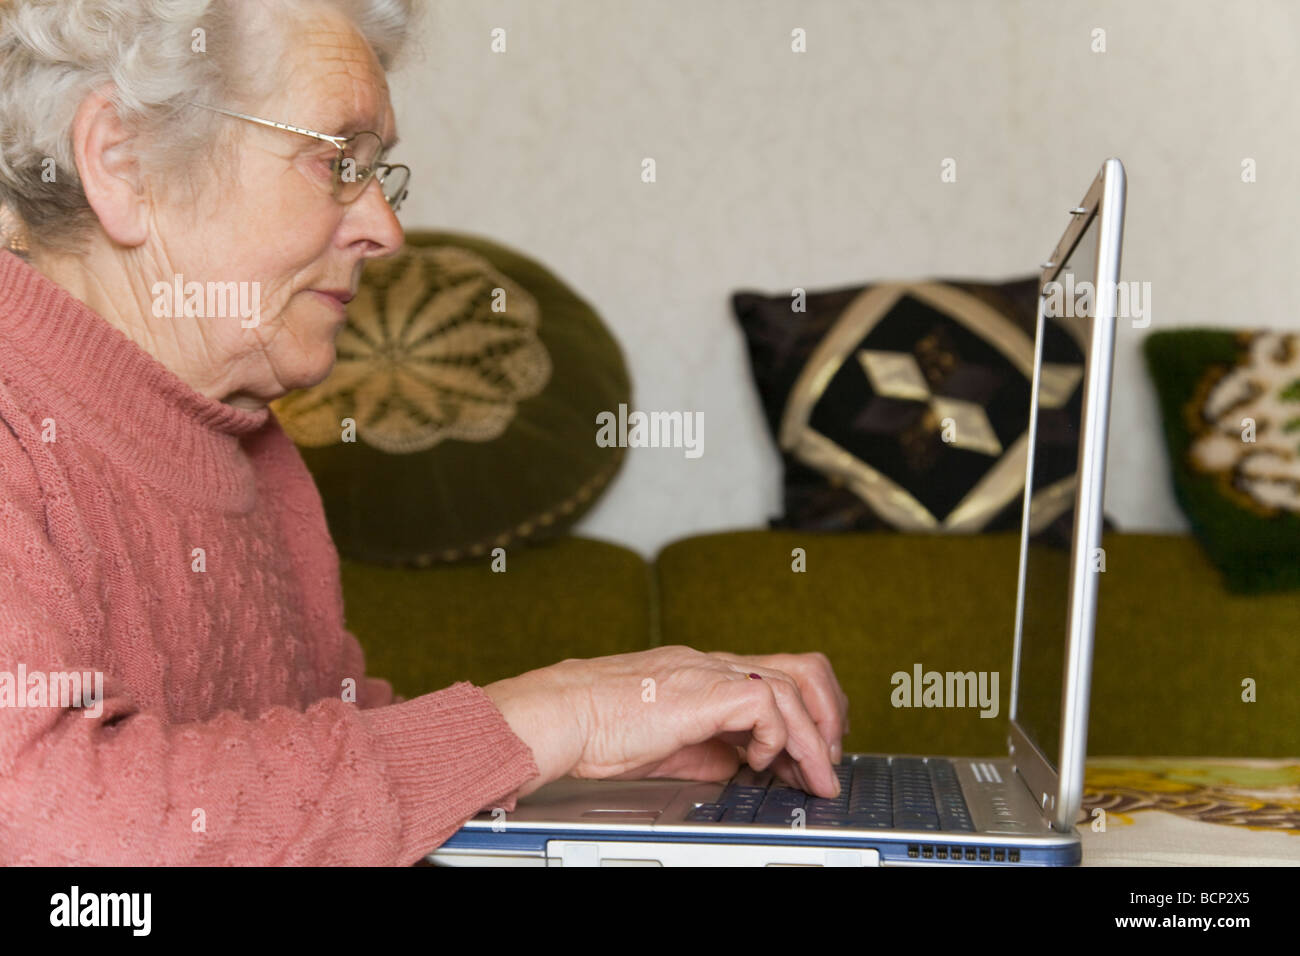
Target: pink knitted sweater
column 225, row 736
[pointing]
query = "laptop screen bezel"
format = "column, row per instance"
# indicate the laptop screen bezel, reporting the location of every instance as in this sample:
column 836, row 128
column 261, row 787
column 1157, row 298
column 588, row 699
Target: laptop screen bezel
column 1059, row 790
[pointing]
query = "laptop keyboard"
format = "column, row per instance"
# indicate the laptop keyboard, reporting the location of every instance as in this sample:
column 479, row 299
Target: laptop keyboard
column 899, row 793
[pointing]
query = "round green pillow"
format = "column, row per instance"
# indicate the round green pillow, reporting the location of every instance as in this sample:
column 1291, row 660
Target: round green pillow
column 461, row 413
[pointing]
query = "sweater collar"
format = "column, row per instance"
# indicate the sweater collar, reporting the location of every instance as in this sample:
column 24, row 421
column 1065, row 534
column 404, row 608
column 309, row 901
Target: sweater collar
column 84, row 372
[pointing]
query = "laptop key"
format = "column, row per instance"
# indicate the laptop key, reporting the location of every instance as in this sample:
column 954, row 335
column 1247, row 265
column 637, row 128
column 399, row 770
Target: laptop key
column 787, row 795
column 832, row 810
column 776, row 815
column 871, row 821
column 748, row 777
column 910, row 820
column 734, row 792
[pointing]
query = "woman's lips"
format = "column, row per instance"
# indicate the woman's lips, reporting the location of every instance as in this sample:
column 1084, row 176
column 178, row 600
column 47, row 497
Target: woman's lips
column 337, row 300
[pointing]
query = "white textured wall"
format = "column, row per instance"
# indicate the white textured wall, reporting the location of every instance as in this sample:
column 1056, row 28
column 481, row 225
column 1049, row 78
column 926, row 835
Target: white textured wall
column 821, row 169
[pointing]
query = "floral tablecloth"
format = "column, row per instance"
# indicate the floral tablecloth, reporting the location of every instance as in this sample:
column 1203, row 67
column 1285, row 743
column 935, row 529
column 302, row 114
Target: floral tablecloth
column 1190, row 811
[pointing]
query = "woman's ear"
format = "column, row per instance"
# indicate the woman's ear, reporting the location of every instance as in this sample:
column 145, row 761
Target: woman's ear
column 105, row 154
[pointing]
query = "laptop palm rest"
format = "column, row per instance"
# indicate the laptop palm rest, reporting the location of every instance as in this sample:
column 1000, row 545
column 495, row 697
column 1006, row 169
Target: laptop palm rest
column 608, row 801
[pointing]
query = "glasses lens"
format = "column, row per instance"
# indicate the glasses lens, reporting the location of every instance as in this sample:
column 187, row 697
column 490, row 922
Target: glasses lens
column 357, row 165
column 393, row 180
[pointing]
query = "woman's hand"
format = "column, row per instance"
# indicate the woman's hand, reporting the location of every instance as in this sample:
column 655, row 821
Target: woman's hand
column 678, row 712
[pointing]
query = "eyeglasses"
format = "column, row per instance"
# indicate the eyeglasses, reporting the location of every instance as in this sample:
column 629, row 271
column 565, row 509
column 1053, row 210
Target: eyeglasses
column 360, row 159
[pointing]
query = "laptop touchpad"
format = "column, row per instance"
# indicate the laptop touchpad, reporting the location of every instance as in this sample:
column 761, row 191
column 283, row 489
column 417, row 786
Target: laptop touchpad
column 626, row 801
column 623, row 816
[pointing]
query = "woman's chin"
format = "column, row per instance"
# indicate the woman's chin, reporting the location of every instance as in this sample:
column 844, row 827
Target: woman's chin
column 310, row 370
column 318, row 376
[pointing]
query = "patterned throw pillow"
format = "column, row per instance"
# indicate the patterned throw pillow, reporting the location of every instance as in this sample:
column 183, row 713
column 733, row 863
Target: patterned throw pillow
column 1230, row 402
column 904, row 405
column 460, row 415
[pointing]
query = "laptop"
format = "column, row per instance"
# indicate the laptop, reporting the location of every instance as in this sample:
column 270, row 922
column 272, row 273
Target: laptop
column 907, row 809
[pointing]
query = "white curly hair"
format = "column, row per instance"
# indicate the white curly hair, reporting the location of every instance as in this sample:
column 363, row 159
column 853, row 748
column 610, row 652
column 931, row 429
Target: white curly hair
column 146, row 55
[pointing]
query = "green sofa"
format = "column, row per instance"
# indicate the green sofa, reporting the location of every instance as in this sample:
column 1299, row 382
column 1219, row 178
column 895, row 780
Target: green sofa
column 1172, row 648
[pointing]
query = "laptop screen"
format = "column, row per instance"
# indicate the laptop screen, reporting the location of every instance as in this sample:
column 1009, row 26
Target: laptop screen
column 1069, row 306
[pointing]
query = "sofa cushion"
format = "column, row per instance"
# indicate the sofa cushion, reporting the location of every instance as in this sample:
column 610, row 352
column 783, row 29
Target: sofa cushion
column 1231, row 408
column 473, row 377
column 1172, row 646
column 425, row 628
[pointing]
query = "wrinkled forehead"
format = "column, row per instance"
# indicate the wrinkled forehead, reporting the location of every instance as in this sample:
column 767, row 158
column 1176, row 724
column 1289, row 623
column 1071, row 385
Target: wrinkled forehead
column 331, row 80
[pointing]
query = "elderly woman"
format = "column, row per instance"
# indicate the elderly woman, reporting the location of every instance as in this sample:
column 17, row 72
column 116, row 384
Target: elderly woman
column 160, row 532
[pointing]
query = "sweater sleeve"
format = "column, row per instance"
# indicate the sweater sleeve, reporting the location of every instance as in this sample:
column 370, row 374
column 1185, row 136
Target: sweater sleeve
column 111, row 784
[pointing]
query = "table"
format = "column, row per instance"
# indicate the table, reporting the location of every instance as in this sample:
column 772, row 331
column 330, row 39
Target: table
column 1190, row 811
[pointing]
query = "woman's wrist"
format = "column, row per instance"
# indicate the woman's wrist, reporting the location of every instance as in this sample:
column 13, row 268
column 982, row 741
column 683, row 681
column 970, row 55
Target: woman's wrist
column 537, row 708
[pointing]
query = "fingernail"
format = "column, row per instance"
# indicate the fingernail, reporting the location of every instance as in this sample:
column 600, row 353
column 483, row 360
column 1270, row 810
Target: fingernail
column 837, row 753
column 838, row 788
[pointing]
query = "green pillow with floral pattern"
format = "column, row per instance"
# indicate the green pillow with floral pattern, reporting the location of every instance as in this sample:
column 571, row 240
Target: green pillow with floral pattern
column 461, row 413
column 1230, row 401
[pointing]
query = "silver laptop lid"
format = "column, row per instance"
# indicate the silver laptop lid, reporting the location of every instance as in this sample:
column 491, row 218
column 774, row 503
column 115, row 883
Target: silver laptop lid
column 1064, row 484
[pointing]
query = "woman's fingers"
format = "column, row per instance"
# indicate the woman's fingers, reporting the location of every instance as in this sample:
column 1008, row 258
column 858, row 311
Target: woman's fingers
column 754, row 710
column 803, row 742
column 787, row 771
column 813, row 762
column 823, row 697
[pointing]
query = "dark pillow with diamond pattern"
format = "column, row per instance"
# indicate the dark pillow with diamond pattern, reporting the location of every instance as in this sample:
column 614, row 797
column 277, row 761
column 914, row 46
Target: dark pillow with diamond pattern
column 903, row 405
